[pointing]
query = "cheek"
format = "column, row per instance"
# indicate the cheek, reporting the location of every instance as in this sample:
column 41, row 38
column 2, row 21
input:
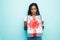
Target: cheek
column 35, row 10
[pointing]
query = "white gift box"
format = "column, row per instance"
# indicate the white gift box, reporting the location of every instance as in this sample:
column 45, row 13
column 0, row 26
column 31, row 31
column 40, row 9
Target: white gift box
column 34, row 26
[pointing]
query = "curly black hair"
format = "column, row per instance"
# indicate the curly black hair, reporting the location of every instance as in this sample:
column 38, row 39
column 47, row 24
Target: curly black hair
column 29, row 10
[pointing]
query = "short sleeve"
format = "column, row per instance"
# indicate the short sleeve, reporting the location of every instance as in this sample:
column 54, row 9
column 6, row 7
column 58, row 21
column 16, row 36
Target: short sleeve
column 42, row 19
column 25, row 19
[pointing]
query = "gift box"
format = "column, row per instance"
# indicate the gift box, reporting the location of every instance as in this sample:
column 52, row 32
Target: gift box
column 34, row 26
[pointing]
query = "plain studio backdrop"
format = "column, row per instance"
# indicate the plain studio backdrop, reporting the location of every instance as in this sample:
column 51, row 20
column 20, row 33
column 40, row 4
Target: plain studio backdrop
column 12, row 13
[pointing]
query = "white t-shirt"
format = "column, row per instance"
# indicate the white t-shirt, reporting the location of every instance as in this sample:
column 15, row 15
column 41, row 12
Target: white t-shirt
column 25, row 18
column 34, row 27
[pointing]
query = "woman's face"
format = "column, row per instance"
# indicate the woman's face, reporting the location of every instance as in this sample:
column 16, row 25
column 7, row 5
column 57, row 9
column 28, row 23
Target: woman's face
column 33, row 9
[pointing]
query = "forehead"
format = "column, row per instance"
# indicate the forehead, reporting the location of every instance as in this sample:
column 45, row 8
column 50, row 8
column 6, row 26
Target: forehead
column 33, row 6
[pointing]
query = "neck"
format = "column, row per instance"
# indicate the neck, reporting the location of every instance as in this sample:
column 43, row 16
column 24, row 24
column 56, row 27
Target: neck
column 33, row 14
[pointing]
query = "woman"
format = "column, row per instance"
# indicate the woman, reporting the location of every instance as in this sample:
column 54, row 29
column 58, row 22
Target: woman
column 33, row 12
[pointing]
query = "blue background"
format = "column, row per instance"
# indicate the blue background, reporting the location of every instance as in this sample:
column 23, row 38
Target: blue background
column 12, row 13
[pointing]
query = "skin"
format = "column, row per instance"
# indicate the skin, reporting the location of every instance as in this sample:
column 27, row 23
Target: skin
column 33, row 11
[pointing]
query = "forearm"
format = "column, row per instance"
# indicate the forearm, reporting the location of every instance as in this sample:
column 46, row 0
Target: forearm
column 25, row 25
column 42, row 24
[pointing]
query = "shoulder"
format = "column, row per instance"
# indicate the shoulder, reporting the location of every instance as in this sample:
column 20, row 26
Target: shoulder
column 41, row 17
column 25, row 18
